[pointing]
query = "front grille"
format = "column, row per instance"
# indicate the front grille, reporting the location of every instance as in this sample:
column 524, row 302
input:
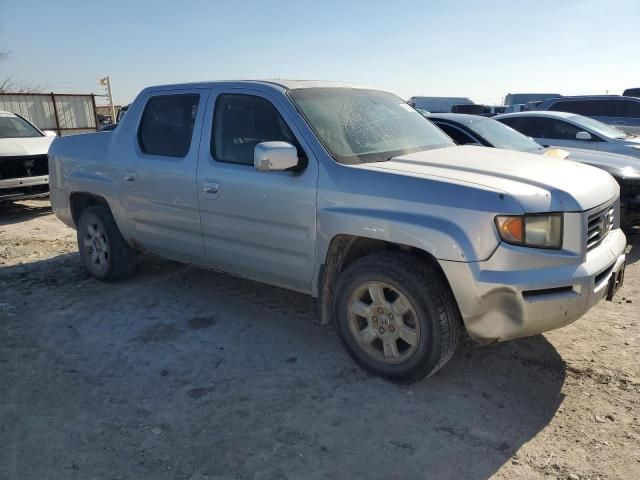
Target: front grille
column 599, row 225
column 25, row 166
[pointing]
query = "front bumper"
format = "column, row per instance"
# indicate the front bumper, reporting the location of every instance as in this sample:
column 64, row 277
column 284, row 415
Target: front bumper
column 500, row 304
column 23, row 188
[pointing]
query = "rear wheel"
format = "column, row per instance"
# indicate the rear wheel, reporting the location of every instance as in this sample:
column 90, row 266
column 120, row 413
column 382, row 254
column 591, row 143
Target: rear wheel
column 104, row 253
column 396, row 316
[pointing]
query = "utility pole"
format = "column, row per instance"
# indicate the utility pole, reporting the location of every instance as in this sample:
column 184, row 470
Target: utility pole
column 107, row 81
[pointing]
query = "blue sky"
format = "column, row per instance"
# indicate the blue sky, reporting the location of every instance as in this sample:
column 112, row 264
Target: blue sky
column 482, row 49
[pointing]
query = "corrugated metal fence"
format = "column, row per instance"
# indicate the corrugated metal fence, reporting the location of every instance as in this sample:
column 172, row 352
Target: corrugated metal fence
column 64, row 113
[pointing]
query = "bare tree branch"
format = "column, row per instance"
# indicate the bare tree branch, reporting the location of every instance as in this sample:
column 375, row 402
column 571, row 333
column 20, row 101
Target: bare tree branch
column 9, row 85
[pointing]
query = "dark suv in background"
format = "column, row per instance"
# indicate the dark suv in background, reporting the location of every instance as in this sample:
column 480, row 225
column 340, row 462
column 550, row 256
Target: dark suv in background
column 620, row 111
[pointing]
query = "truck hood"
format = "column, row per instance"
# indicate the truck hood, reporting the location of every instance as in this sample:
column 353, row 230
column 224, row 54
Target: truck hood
column 15, row 147
column 538, row 183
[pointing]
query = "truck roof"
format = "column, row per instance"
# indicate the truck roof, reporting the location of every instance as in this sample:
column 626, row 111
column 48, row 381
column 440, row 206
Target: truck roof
column 281, row 84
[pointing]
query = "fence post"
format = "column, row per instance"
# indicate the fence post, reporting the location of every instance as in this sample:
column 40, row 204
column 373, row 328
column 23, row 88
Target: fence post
column 95, row 111
column 55, row 112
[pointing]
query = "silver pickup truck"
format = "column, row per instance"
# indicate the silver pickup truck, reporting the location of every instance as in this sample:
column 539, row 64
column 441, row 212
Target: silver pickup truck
column 349, row 195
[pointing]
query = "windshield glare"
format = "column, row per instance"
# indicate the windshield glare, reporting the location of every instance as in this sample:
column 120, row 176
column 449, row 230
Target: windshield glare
column 12, row 126
column 359, row 126
column 598, row 127
column 502, row 136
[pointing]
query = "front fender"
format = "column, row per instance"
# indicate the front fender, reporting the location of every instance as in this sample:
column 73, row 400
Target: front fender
column 441, row 237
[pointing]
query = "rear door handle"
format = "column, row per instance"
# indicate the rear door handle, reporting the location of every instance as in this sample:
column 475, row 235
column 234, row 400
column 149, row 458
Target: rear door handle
column 211, row 187
column 130, row 176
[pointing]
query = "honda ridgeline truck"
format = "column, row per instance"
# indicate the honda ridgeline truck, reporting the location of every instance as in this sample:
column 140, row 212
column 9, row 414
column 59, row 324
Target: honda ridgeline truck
column 350, row 195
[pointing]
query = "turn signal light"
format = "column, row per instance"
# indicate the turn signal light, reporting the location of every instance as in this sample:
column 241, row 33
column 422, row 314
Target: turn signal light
column 539, row 230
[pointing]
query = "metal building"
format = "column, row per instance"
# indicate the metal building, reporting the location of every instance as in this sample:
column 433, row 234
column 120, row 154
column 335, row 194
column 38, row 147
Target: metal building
column 64, row 113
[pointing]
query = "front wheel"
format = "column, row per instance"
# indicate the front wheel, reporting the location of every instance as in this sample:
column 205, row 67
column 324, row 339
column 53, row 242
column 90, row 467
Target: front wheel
column 104, row 253
column 397, row 316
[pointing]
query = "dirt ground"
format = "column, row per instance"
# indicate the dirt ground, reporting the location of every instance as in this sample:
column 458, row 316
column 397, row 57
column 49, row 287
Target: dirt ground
column 181, row 373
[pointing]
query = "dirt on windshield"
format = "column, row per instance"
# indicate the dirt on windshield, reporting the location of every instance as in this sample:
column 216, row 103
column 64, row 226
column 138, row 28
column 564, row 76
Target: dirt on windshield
column 183, row 373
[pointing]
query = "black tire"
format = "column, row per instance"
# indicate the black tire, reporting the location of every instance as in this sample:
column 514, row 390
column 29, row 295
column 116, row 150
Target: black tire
column 428, row 292
column 119, row 260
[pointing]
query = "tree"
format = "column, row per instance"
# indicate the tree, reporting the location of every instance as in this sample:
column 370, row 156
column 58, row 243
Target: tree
column 9, row 85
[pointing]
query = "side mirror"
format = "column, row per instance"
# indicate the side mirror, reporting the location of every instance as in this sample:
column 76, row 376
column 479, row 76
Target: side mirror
column 50, row 133
column 583, row 136
column 274, row 156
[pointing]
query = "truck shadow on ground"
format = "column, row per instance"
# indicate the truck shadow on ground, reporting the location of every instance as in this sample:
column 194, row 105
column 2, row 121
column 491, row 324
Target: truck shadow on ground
column 11, row 213
column 186, row 373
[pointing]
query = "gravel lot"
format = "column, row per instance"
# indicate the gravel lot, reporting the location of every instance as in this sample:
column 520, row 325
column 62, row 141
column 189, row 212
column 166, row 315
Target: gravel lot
column 181, row 373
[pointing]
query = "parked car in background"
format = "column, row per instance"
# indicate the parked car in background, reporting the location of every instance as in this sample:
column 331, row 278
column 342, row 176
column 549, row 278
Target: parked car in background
column 563, row 129
column 484, row 110
column 618, row 111
column 352, row 196
column 631, row 92
column 438, row 104
column 112, row 126
column 497, row 109
column 487, row 132
column 24, row 168
column 516, row 107
column 524, row 98
column 108, row 128
column 121, row 113
column 473, row 109
column 103, row 119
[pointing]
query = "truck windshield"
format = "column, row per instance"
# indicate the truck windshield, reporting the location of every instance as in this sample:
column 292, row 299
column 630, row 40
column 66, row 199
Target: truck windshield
column 12, row 126
column 361, row 126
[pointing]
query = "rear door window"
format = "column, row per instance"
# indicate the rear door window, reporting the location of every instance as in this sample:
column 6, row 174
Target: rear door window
column 167, row 123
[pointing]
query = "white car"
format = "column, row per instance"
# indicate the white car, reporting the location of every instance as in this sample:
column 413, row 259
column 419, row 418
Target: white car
column 562, row 129
column 24, row 169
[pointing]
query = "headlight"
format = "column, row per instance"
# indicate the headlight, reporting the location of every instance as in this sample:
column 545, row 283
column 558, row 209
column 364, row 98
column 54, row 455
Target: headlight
column 535, row 230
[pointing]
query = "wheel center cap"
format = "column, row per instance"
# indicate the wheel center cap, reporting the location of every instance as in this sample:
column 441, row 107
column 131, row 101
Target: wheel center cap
column 97, row 243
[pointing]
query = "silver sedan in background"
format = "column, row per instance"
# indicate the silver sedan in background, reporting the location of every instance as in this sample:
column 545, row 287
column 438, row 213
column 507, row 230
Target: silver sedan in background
column 563, row 129
column 477, row 130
